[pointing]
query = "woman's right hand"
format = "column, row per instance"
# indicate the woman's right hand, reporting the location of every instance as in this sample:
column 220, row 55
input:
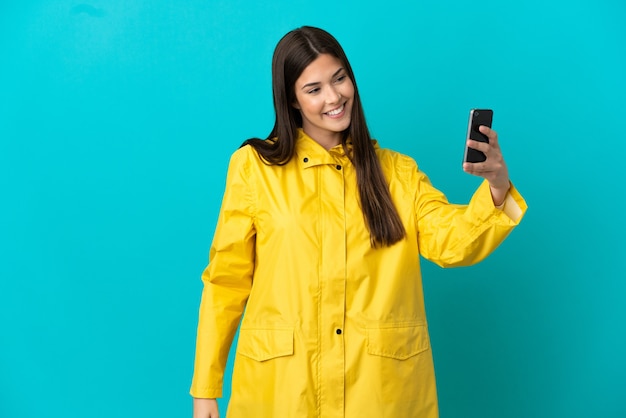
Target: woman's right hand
column 205, row 408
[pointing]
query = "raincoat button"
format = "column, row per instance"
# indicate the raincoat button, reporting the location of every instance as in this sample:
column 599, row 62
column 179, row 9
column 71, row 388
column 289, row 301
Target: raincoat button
column 338, row 331
column 338, row 167
column 306, row 160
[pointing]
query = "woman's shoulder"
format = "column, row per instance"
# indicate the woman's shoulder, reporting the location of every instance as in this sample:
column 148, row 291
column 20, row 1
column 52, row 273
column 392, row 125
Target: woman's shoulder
column 243, row 161
column 253, row 151
column 243, row 152
column 393, row 159
column 246, row 154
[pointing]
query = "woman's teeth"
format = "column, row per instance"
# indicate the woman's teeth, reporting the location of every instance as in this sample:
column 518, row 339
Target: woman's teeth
column 336, row 111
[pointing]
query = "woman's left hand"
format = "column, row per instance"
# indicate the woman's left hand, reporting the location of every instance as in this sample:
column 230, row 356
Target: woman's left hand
column 493, row 169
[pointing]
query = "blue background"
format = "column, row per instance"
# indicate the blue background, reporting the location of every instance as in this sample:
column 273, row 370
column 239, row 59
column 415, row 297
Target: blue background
column 117, row 119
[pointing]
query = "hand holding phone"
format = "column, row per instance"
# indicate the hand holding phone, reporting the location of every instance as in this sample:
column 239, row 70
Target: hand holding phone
column 494, row 169
column 477, row 118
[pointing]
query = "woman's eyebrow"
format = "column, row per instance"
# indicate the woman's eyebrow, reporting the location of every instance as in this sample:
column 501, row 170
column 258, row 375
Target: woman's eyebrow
column 314, row 83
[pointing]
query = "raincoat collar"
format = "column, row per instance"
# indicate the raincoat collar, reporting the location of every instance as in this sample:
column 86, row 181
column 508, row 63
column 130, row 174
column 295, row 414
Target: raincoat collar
column 309, row 153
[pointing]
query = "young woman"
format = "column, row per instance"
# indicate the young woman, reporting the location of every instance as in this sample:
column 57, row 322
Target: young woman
column 319, row 238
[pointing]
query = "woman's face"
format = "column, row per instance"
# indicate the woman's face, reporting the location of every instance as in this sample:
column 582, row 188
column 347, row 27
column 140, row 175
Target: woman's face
column 324, row 97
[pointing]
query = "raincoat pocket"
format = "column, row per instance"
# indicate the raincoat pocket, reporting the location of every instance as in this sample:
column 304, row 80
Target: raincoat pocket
column 265, row 344
column 397, row 341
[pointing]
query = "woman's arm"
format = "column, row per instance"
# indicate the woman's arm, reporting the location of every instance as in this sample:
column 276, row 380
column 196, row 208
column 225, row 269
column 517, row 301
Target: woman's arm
column 227, row 279
column 459, row 235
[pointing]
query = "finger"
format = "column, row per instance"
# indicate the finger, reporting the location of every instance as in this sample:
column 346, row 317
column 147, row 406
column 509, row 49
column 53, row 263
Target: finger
column 487, row 166
column 470, row 168
column 467, row 167
column 477, row 145
column 474, row 168
column 491, row 134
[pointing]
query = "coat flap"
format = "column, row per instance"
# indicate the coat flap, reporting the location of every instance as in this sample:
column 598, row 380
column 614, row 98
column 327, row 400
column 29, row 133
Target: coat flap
column 399, row 342
column 265, row 344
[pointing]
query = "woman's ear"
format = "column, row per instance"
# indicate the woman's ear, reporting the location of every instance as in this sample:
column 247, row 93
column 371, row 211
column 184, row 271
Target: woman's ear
column 296, row 105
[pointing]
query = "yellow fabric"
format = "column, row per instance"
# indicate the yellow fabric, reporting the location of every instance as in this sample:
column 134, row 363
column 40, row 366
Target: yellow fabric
column 332, row 327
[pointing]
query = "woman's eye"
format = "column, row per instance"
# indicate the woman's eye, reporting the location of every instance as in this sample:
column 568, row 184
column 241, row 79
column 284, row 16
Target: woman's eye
column 340, row 78
column 313, row 91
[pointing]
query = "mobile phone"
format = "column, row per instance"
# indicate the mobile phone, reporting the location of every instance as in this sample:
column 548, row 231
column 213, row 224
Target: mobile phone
column 477, row 117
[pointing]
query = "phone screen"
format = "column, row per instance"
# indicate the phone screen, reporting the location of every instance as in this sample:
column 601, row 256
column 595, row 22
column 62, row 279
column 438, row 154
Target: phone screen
column 477, row 118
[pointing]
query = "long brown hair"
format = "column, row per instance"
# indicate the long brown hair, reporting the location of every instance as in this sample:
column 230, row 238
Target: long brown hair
column 294, row 52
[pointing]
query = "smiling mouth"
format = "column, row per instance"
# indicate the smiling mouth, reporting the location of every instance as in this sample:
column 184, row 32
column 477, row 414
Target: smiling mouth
column 337, row 111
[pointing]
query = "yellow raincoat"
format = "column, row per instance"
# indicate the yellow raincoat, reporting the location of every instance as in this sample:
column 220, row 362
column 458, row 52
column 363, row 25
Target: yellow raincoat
column 332, row 326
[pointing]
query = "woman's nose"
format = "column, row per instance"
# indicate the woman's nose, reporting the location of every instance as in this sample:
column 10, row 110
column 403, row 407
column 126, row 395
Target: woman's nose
column 333, row 95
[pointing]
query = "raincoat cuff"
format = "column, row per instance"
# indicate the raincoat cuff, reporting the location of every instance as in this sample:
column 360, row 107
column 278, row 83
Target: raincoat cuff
column 206, row 393
column 514, row 205
column 482, row 207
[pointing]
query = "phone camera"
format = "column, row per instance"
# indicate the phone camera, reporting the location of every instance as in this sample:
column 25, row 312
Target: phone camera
column 476, row 113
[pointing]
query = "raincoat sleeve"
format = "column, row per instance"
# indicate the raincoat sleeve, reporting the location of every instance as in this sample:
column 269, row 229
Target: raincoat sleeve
column 227, row 279
column 459, row 235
